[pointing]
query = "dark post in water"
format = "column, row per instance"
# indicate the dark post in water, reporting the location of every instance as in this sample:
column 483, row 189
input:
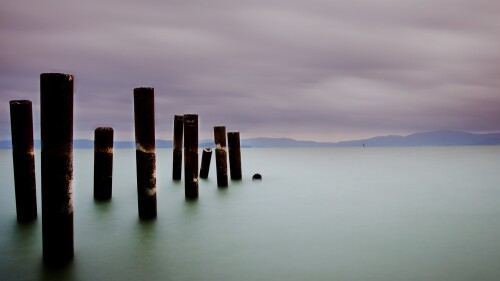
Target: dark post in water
column 103, row 163
column 145, row 151
column 191, row 155
column 220, row 155
column 56, row 110
column 177, row 147
column 233, row 141
column 23, row 154
column 205, row 162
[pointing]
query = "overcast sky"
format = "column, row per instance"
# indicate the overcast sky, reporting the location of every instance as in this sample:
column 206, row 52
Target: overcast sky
column 306, row 69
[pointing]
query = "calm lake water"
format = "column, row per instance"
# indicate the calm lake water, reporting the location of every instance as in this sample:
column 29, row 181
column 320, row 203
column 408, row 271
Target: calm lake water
column 319, row 214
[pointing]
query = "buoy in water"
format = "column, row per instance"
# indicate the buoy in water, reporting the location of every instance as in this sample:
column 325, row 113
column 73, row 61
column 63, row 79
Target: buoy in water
column 257, row 177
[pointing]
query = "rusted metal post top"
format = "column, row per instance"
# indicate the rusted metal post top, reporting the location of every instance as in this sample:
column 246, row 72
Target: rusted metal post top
column 19, row 102
column 104, row 129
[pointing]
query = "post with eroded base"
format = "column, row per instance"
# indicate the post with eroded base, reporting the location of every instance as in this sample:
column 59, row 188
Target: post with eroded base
column 144, row 112
column 56, row 117
column 191, row 155
column 220, row 155
column 103, row 163
column 177, row 147
column 205, row 162
column 233, row 141
column 23, row 154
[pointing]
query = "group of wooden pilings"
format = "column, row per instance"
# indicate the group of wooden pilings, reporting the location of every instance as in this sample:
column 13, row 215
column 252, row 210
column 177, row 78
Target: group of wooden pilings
column 190, row 124
column 221, row 155
column 56, row 110
column 56, row 118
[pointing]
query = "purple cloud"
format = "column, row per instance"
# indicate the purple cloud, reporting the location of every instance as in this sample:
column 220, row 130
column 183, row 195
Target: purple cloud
column 325, row 70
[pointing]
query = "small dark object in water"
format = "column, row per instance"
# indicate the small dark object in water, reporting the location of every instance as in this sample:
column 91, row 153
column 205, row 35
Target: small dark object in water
column 257, row 177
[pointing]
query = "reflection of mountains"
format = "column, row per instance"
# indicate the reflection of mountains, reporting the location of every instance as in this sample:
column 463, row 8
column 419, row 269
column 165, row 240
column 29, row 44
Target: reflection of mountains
column 437, row 138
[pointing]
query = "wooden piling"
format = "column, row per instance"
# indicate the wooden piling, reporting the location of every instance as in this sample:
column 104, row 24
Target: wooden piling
column 191, row 155
column 103, row 163
column 145, row 151
column 177, row 147
column 56, row 117
column 23, row 154
column 220, row 155
column 205, row 162
column 233, row 141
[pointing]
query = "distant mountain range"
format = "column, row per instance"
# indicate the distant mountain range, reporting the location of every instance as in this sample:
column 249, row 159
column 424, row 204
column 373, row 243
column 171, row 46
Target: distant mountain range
column 436, row 138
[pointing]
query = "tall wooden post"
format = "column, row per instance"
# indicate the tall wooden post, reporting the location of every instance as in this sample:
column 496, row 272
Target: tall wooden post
column 205, row 162
column 103, row 163
column 144, row 112
column 177, row 147
column 23, row 154
column 220, row 155
column 191, row 155
column 56, row 110
column 233, row 141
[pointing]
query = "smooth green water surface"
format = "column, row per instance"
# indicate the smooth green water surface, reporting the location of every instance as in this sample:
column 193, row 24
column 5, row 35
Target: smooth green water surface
column 319, row 214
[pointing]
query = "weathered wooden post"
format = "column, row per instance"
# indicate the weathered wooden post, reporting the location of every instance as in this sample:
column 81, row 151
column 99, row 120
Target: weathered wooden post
column 56, row 110
column 144, row 112
column 23, row 154
column 103, row 163
column 233, row 141
column 220, row 155
column 191, row 155
column 177, row 147
column 205, row 162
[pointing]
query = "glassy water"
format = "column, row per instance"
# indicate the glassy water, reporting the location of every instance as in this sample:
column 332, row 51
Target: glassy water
column 319, row 214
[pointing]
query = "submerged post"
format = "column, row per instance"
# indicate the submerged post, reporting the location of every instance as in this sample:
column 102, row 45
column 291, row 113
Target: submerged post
column 191, row 155
column 103, row 163
column 23, row 154
column 145, row 151
column 233, row 141
column 220, row 155
column 177, row 147
column 56, row 117
column 205, row 162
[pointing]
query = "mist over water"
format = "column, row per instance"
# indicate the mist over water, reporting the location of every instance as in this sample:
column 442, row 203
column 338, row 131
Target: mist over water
column 430, row 213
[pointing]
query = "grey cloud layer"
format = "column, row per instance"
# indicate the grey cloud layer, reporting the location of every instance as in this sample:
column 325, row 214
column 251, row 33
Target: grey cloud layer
column 316, row 69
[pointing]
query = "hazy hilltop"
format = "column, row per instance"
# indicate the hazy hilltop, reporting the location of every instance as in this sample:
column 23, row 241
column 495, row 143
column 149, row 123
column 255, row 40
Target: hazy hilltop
column 436, row 138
